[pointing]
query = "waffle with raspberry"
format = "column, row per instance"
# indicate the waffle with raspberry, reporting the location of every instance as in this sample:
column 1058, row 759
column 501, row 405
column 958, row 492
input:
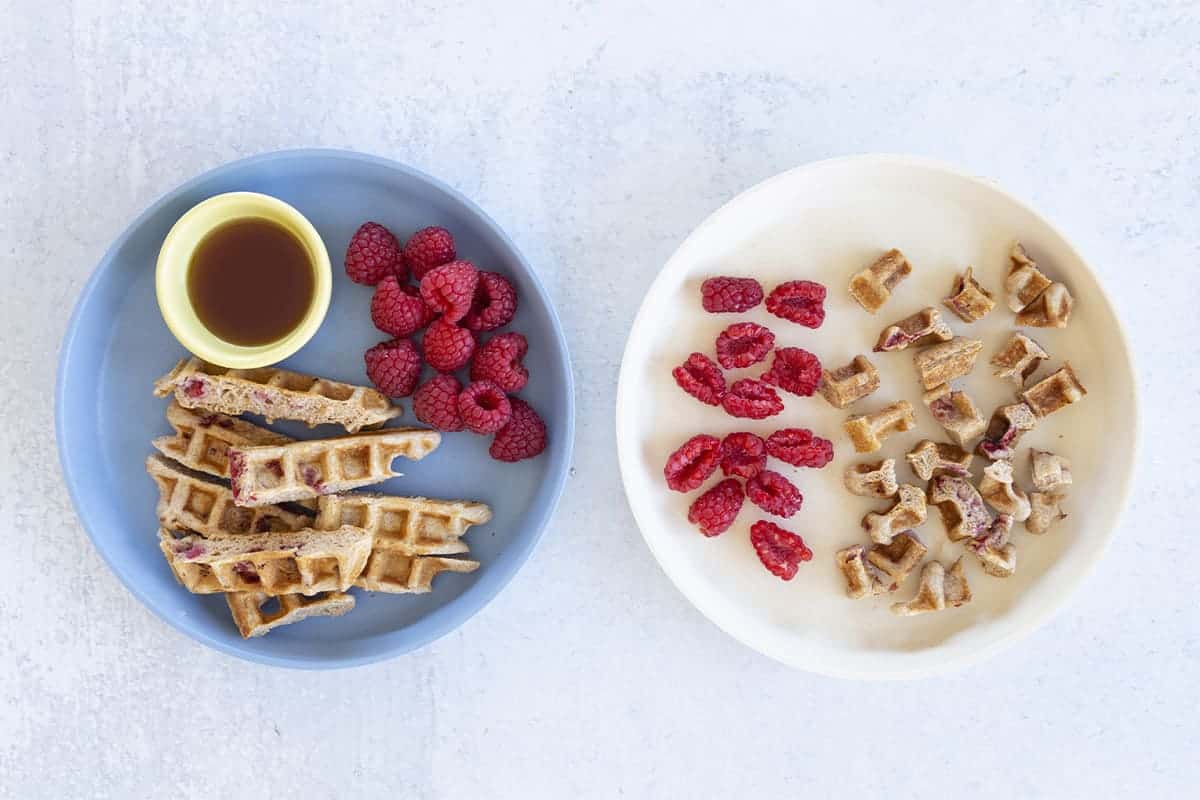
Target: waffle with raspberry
column 252, row 617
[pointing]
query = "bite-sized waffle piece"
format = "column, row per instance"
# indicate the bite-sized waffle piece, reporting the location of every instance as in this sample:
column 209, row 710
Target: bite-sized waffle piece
column 275, row 394
column 873, row 286
column 970, row 301
column 997, row 555
column 956, row 412
column 398, row 573
column 848, row 384
column 253, row 618
column 1024, row 281
column 898, row 558
column 939, row 458
column 414, row 526
column 1050, row 473
column 939, row 588
column 278, row 473
column 289, row 562
column 908, row 512
column 1054, row 392
column 1018, row 359
column 862, row 579
column 922, row 328
column 962, row 509
column 191, row 501
column 867, row 431
column 1005, row 429
column 202, row 439
column 1052, row 308
column 1044, row 511
column 872, row 480
column 998, row 490
column 944, row 362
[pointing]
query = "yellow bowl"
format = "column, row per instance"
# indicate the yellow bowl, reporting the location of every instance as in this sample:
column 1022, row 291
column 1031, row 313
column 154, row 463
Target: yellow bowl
column 172, row 271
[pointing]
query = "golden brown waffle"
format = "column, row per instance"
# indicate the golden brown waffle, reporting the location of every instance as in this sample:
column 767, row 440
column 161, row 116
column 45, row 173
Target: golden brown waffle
column 1050, row 473
column 1018, row 359
column 999, row 490
column 1025, row 282
column 908, row 512
column 862, row 579
column 873, row 286
column 939, row 458
column 250, row 612
column 275, row 394
column 1054, row 392
column 1004, row 430
column 956, row 412
column 867, row 431
column 997, row 555
column 1044, row 511
column 922, row 328
column 944, row 362
column 395, row 572
column 898, row 558
column 279, row 473
column 970, row 301
column 415, row 526
column 288, row 562
column 202, row 439
column 1051, row 309
column 848, row 384
column 872, row 480
column 961, row 507
column 939, row 588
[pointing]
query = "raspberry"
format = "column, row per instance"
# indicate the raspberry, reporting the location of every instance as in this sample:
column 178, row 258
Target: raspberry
column 715, row 510
column 720, row 295
column 743, row 454
column 743, row 344
column 450, row 289
column 484, row 407
column 794, row 370
column 700, row 377
column 436, row 403
column 428, row 248
column 499, row 360
column 692, row 463
column 774, row 493
column 494, row 305
column 447, row 346
column 798, row 447
column 523, row 437
column 397, row 308
column 799, row 301
column 751, row 399
column 394, row 367
column 373, row 254
column 779, row 551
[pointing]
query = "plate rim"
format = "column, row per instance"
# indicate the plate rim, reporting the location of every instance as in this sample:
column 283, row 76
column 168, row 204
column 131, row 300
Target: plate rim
column 454, row 615
column 626, row 451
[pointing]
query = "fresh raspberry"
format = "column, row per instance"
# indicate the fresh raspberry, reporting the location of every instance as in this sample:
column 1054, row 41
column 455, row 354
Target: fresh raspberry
column 495, row 303
column 794, row 370
column 715, row 510
column 798, row 447
column 523, row 437
column 743, row 344
column 799, row 301
column 428, row 248
column 779, row 551
column 693, row 462
column 397, row 308
column 700, row 377
column 447, row 346
column 721, row 295
column 484, row 407
column 751, row 399
column 774, row 493
column 499, row 360
column 450, row 289
column 373, row 254
column 743, row 454
column 436, row 403
column 394, row 367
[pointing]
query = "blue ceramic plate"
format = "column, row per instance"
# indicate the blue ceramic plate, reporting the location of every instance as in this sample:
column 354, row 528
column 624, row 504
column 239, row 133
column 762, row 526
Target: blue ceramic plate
column 117, row 344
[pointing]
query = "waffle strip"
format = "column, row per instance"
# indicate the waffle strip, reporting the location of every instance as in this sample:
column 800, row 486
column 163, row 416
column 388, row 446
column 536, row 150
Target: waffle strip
column 252, row 620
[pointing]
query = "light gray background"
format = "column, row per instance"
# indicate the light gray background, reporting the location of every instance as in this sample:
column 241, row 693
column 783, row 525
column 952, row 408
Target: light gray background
column 598, row 134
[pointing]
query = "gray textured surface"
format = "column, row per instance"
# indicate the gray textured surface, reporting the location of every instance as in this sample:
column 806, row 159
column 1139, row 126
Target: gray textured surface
column 598, row 134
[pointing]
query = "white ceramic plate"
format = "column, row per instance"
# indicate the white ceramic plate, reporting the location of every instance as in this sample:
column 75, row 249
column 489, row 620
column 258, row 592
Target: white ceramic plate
column 823, row 222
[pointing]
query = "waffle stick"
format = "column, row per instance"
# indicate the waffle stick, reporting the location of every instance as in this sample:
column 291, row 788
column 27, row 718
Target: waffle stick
column 252, row 619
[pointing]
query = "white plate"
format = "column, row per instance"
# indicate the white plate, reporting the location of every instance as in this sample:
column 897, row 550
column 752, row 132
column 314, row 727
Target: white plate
column 823, row 222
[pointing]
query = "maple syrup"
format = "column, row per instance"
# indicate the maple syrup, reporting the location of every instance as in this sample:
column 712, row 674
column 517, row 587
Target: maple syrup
column 250, row 281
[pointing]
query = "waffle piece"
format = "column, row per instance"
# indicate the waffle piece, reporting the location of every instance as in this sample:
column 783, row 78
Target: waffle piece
column 962, row 509
column 1050, row 473
column 1044, row 511
column 397, row 573
column 908, row 512
column 999, row 491
column 955, row 411
column 898, row 558
column 250, row 613
column 862, row 579
column 938, row 589
column 415, row 526
column 939, row 458
column 922, row 328
column 195, row 503
column 872, row 480
column 1052, row 309
column 944, row 362
column 1054, row 392
column 275, row 394
column 278, row 473
column 873, row 286
column 846, row 385
column 1018, row 359
column 1005, row 429
column 290, row 562
column 970, row 301
column 997, row 555
column 867, row 431
column 202, row 440
column 1025, row 282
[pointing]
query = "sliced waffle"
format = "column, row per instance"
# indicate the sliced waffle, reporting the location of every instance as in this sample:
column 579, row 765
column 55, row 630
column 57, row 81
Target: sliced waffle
column 250, row 610
column 202, row 439
column 395, row 572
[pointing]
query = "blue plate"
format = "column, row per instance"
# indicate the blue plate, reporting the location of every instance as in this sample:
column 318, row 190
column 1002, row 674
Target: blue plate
column 117, row 344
